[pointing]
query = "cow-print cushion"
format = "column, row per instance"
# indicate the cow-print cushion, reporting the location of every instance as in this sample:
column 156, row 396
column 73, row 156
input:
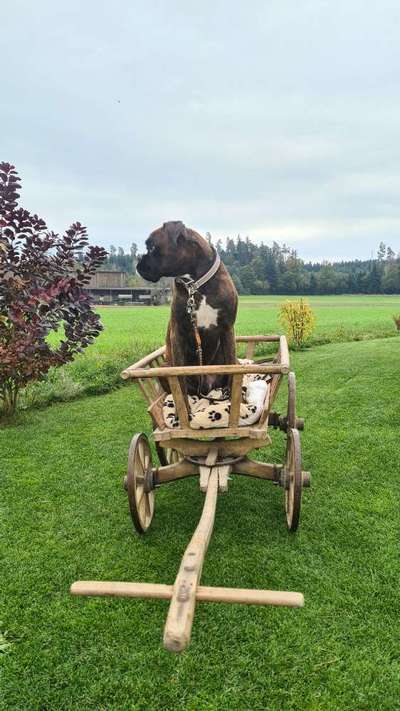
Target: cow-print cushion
column 213, row 410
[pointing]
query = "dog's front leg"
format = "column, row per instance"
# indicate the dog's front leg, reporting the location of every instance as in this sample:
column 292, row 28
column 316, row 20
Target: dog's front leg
column 178, row 358
column 167, row 360
column 228, row 345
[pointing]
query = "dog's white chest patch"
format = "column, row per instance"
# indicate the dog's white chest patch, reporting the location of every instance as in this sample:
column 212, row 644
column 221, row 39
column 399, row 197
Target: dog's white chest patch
column 206, row 316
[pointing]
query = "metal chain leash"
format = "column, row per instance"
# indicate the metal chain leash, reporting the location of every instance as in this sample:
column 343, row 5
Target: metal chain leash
column 191, row 311
column 193, row 287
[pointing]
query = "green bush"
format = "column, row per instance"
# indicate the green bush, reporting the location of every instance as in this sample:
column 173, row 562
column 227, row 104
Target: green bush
column 298, row 319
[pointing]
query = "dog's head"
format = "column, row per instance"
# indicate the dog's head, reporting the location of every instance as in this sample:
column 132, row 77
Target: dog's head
column 170, row 252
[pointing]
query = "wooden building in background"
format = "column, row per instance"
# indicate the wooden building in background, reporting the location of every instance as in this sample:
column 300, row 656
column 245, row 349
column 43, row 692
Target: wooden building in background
column 110, row 287
column 108, row 280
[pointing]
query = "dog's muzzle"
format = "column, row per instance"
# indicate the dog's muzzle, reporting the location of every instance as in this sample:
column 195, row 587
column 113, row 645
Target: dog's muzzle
column 147, row 269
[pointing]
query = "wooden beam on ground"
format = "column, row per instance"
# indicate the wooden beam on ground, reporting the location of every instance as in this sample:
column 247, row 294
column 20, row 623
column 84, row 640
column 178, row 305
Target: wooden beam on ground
column 155, row 591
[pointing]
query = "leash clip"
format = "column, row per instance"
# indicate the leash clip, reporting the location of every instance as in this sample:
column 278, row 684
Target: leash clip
column 190, row 305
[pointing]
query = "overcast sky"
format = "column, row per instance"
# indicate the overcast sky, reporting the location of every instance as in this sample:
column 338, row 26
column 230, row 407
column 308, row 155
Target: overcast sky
column 275, row 119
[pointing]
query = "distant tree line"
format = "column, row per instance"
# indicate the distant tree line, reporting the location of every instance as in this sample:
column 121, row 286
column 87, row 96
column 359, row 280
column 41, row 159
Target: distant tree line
column 121, row 261
column 277, row 269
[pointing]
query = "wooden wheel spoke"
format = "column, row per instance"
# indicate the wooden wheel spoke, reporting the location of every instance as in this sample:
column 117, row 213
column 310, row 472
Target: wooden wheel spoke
column 147, row 506
column 142, row 456
column 140, row 494
column 143, row 507
column 139, row 470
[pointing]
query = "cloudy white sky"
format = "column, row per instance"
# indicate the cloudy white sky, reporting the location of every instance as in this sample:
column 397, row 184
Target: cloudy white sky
column 277, row 119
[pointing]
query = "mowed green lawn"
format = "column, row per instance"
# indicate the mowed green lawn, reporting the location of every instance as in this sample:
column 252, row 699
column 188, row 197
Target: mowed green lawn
column 66, row 518
column 338, row 318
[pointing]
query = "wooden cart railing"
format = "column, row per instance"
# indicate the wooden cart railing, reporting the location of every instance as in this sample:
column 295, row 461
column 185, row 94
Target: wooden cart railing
column 147, row 371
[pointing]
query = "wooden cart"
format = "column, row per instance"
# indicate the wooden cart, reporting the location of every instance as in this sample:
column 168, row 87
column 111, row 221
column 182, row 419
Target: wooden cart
column 212, row 455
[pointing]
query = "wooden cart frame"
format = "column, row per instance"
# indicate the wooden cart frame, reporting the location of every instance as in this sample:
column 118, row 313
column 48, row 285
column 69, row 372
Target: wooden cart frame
column 212, row 455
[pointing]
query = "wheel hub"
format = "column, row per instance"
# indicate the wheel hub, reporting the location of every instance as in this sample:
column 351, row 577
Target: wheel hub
column 149, row 484
column 284, row 478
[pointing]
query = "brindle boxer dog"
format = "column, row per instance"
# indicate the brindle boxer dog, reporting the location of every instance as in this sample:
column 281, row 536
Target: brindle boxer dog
column 174, row 250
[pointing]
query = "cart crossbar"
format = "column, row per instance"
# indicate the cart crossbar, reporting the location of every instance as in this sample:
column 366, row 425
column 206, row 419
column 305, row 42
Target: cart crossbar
column 157, row 591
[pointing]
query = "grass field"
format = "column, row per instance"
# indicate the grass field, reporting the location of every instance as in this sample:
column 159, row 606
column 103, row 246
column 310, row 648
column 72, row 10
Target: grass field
column 66, row 517
column 338, row 318
column 130, row 333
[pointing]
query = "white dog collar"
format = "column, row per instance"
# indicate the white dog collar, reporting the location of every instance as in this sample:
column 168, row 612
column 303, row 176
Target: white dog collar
column 193, row 286
column 208, row 275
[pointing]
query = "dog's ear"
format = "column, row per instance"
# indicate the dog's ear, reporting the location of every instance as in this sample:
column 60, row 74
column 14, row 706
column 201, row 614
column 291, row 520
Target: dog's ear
column 174, row 230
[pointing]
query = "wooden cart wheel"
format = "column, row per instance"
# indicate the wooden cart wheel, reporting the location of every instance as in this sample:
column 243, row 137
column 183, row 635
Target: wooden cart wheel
column 138, row 483
column 291, row 408
column 293, row 479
